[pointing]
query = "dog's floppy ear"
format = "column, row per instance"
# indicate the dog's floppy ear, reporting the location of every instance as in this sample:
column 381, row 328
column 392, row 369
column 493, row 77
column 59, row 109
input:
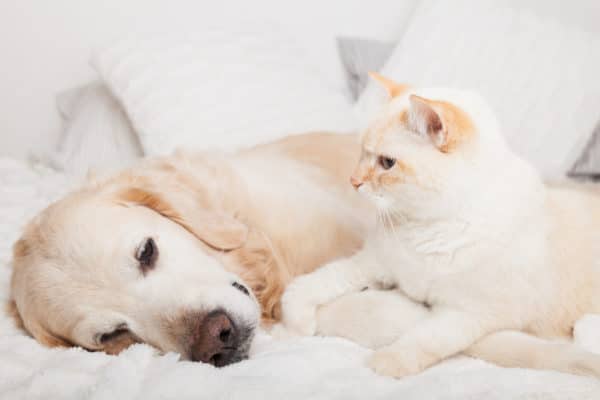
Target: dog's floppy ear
column 215, row 228
column 13, row 312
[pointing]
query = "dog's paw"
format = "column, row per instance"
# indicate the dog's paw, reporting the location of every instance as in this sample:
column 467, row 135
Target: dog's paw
column 299, row 314
column 398, row 363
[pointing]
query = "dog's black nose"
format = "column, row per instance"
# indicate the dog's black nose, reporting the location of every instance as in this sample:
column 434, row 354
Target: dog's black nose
column 216, row 341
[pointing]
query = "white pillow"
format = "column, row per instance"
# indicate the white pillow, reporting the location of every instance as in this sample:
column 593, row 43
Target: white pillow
column 537, row 63
column 219, row 87
column 97, row 135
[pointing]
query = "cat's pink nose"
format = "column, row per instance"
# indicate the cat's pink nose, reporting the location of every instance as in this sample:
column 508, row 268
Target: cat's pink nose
column 356, row 182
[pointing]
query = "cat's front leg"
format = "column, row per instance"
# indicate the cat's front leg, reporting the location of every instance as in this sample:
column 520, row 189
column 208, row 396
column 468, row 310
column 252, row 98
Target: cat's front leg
column 307, row 292
column 445, row 333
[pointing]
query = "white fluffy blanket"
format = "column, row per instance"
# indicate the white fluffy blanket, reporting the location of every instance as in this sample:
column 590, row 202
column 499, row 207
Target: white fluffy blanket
column 309, row 368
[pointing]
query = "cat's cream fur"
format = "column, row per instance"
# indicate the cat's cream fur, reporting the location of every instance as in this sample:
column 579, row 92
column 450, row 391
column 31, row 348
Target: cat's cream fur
column 465, row 227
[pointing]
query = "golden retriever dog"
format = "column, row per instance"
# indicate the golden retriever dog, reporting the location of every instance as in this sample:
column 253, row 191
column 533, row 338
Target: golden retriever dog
column 187, row 252
column 190, row 253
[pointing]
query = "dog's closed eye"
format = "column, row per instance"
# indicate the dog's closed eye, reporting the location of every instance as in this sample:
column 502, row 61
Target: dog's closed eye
column 147, row 254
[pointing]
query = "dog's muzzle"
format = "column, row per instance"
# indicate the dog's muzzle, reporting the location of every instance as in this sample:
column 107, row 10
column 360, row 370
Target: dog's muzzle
column 219, row 341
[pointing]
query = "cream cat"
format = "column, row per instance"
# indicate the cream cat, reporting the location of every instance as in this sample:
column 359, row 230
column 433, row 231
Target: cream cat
column 465, row 227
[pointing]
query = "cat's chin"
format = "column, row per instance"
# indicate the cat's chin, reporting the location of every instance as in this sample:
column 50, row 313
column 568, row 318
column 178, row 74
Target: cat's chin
column 382, row 203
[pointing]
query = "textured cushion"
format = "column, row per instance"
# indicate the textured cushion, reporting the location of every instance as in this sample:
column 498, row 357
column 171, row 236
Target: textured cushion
column 219, row 87
column 97, row 134
column 537, row 66
column 359, row 56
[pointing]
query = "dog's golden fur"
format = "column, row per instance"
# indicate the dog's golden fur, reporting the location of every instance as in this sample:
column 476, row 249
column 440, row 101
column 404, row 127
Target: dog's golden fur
column 206, row 195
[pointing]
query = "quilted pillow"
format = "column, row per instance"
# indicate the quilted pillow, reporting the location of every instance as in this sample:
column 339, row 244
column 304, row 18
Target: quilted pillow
column 219, row 88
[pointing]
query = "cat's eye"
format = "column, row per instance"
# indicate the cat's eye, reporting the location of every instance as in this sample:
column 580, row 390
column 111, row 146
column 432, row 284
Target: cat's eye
column 386, row 162
column 146, row 254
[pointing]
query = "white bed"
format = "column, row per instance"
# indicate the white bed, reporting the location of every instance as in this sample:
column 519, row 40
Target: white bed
column 308, row 368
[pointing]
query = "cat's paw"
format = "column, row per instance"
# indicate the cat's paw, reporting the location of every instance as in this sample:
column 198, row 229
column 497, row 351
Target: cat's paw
column 280, row 332
column 300, row 319
column 299, row 314
column 398, row 362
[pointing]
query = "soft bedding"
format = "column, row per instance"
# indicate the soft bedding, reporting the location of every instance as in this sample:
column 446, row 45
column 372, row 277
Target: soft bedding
column 307, row 368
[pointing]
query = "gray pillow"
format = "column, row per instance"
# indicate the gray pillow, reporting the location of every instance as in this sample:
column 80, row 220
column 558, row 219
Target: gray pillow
column 359, row 56
column 97, row 134
column 588, row 163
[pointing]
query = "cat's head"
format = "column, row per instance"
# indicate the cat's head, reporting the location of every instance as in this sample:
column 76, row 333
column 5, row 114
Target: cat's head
column 425, row 149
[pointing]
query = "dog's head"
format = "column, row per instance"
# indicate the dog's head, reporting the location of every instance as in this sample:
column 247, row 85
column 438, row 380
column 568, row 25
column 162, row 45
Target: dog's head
column 134, row 260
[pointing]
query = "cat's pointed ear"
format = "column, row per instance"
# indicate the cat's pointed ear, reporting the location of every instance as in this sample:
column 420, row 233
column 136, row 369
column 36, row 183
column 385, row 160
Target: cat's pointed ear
column 393, row 89
column 443, row 122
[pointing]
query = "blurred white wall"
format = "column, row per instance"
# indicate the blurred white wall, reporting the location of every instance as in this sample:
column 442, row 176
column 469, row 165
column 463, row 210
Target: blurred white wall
column 45, row 45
